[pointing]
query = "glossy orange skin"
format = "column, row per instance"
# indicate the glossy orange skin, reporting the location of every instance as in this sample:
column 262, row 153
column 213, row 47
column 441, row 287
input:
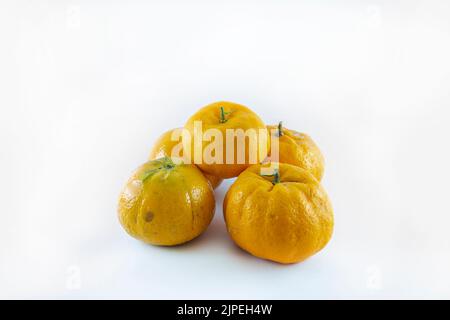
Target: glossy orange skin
column 286, row 222
column 165, row 146
column 238, row 117
column 299, row 150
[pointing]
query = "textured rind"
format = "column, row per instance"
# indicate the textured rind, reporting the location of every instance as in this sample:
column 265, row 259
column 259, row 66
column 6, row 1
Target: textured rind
column 286, row 222
column 299, row 150
column 238, row 117
column 170, row 207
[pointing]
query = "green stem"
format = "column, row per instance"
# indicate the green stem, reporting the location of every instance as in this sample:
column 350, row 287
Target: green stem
column 168, row 163
column 222, row 115
column 275, row 175
column 280, row 128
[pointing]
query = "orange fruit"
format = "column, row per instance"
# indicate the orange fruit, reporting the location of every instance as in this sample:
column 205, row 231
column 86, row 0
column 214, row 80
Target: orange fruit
column 169, row 145
column 218, row 119
column 297, row 149
column 165, row 203
column 286, row 217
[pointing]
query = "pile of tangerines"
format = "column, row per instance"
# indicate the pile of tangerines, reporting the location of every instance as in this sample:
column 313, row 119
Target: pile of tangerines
column 276, row 209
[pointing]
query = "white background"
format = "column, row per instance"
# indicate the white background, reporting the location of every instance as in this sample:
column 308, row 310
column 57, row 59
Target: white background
column 87, row 86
